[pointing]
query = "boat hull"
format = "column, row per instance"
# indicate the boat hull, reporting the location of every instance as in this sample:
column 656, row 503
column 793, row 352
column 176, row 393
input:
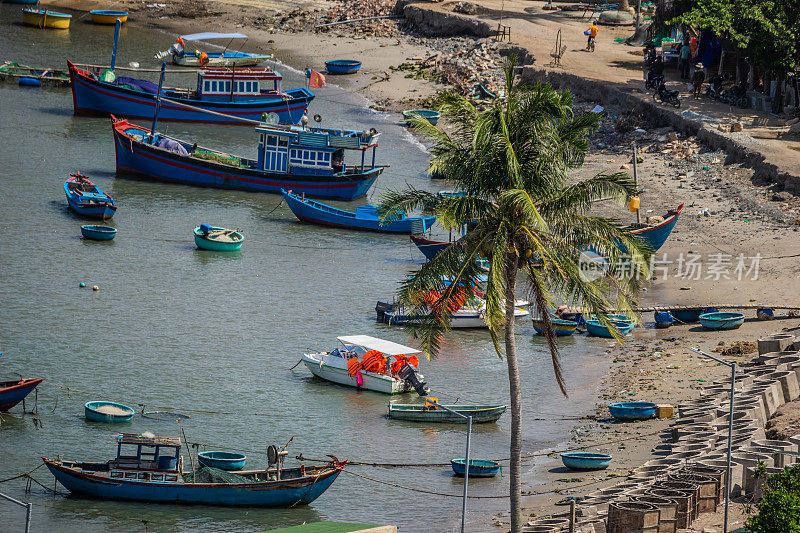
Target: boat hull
column 287, row 493
column 342, row 66
column 216, row 246
column 720, row 321
column 416, row 413
column 108, row 17
column 98, row 233
column 597, row 329
column 477, row 468
column 142, row 159
column 51, row 77
column 632, row 410
column 94, row 97
column 586, row 460
column 656, row 236
column 561, row 328
column 464, row 318
column 92, row 414
column 46, row 19
column 99, row 212
column 340, row 375
column 13, row 392
column 314, row 213
column 429, row 248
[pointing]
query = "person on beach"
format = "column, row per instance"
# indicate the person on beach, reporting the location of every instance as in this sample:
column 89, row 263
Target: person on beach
column 697, row 79
column 592, row 33
column 683, row 60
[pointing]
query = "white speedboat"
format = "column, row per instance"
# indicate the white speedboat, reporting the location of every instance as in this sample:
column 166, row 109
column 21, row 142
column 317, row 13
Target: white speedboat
column 364, row 362
column 466, row 317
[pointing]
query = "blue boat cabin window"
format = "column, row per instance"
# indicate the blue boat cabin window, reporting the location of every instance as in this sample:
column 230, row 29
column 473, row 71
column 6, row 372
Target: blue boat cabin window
column 170, row 478
column 157, row 477
column 116, row 474
column 130, row 475
column 142, row 475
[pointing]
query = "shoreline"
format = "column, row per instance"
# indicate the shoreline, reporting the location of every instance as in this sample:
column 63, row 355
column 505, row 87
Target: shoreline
column 635, row 368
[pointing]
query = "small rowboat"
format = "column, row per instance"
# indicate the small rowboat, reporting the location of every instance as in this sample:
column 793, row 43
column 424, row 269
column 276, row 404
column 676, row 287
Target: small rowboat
column 42, row 18
column 426, row 114
column 585, row 460
column 13, row 392
column 343, row 66
column 477, row 467
column 594, row 327
column 364, row 218
column 54, row 77
column 560, row 326
column 417, row 412
column 632, row 410
column 98, row 233
column 217, row 239
column 103, row 16
column 101, row 411
column 86, row 198
column 722, row 320
column 222, row 460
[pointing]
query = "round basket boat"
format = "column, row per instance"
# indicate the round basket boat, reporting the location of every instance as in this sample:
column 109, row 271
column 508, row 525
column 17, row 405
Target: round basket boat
column 222, row 460
column 721, row 320
column 217, row 239
column 342, row 66
column 426, row 114
column 586, row 460
column 101, row 411
column 632, row 410
column 103, row 16
column 98, row 233
column 477, row 467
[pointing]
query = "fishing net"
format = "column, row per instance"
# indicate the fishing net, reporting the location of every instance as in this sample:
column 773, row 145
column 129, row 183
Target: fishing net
column 207, row 474
column 217, row 157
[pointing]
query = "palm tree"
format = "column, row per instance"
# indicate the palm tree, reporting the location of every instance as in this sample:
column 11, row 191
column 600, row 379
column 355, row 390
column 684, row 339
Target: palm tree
column 513, row 160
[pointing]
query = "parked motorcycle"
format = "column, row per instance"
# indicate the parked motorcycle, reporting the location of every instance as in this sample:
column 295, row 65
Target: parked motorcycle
column 653, row 80
column 714, row 89
column 736, row 96
column 666, row 96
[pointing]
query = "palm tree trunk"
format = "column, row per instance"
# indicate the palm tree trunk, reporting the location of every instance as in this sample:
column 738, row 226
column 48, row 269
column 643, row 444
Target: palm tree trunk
column 515, row 466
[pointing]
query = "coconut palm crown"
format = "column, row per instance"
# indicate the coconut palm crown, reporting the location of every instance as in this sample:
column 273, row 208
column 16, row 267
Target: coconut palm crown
column 523, row 215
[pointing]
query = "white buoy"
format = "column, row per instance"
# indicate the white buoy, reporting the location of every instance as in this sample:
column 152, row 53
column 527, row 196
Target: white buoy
column 95, row 288
column 133, row 64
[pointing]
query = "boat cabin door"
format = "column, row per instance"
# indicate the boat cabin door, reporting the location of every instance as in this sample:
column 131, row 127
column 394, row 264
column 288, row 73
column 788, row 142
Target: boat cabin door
column 276, row 153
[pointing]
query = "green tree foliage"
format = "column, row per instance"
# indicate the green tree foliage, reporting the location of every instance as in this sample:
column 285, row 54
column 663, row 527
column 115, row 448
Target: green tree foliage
column 779, row 509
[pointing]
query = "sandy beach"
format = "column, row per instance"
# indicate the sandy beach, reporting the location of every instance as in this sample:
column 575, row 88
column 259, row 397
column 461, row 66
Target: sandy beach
column 736, row 242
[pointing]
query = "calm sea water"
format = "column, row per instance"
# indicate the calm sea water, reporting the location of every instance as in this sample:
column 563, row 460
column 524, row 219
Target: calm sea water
column 214, row 336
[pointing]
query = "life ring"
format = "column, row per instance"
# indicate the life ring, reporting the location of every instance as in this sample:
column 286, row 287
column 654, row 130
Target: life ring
column 317, row 118
column 203, row 58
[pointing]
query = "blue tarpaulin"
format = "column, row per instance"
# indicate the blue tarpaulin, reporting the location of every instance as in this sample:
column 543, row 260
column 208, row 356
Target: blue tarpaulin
column 142, row 85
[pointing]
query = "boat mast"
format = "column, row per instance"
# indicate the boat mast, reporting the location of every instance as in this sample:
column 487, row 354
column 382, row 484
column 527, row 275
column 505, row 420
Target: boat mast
column 116, row 41
column 158, row 99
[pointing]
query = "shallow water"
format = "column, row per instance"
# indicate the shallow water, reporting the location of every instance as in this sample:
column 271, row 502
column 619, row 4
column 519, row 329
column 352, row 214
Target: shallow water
column 214, row 336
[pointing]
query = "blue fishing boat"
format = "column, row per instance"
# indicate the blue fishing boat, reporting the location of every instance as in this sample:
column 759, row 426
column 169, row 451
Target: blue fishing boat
column 632, row 410
column 721, row 320
column 429, row 248
column 86, row 198
column 148, row 468
column 656, row 235
column 596, row 328
column 477, row 467
column 424, row 412
column 13, row 392
column 310, row 161
column 586, row 460
column 222, row 460
column 102, row 411
column 225, row 58
column 342, row 66
column 363, row 218
column 98, row 233
column 560, row 326
column 235, row 93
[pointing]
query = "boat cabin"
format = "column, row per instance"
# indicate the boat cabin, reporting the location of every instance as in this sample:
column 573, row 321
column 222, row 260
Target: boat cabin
column 313, row 151
column 145, row 452
column 225, row 84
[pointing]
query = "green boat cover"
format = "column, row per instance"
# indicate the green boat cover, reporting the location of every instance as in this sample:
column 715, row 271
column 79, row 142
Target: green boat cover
column 208, row 474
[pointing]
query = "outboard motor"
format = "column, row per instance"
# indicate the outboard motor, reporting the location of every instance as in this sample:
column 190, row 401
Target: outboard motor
column 409, row 374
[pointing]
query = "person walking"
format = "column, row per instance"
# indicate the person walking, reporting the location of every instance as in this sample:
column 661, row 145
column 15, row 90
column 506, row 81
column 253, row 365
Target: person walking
column 684, row 55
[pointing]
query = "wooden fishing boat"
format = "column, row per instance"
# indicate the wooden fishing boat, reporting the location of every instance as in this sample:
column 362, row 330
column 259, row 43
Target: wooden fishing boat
column 721, row 320
column 597, row 329
column 98, row 233
column 13, row 392
column 43, row 18
column 11, row 70
column 363, row 218
column 586, row 460
column 104, row 16
column 560, row 326
column 418, row 412
column 240, row 93
column 426, row 114
column 223, row 460
column 655, row 236
column 632, row 410
column 102, row 411
column 225, row 58
column 429, row 248
column 310, row 161
column 217, row 239
column 362, row 362
column 342, row 66
column 86, row 198
column 477, row 467
column 467, row 317
column 148, row 468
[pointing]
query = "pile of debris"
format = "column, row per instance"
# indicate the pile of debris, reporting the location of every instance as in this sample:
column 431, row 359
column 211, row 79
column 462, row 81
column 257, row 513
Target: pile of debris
column 348, row 10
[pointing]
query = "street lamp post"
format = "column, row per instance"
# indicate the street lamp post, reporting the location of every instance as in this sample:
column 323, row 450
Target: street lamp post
column 730, row 433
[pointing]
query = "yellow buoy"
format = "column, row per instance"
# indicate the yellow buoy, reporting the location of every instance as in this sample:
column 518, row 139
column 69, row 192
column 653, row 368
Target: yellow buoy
column 633, row 204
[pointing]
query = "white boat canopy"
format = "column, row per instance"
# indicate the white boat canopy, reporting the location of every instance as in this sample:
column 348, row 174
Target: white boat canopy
column 373, row 343
column 207, row 36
